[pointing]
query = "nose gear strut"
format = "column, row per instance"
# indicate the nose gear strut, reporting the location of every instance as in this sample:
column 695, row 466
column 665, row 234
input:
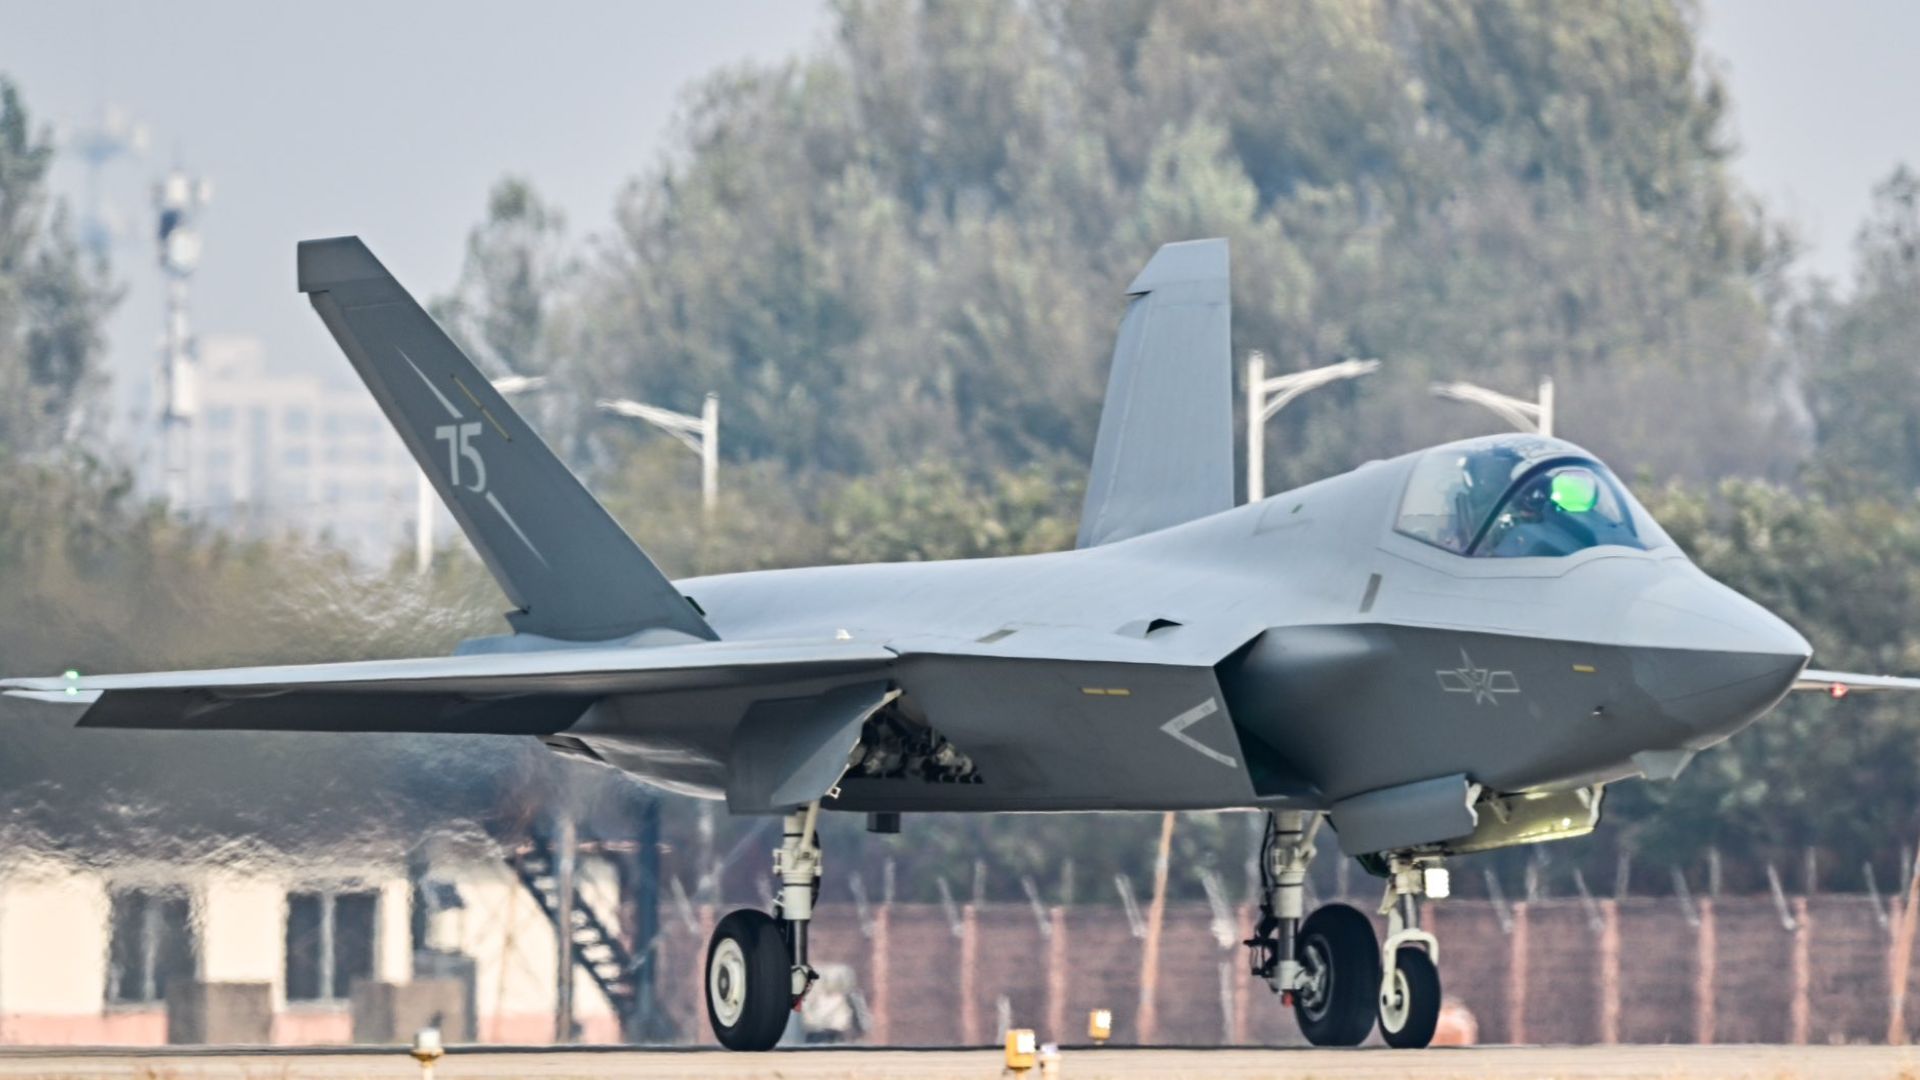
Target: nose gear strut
column 1329, row 966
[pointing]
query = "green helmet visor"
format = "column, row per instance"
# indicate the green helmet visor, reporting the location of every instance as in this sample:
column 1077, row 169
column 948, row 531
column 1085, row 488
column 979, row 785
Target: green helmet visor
column 1576, row 491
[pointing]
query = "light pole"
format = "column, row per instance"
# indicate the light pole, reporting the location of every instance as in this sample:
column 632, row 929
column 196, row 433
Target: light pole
column 423, row 508
column 1534, row 417
column 700, row 434
column 1265, row 397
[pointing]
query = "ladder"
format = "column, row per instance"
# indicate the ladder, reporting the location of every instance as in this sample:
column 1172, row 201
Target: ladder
column 596, row 949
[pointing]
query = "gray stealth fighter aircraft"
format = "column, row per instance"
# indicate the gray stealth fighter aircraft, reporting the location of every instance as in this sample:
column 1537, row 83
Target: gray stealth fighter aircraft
column 1448, row 652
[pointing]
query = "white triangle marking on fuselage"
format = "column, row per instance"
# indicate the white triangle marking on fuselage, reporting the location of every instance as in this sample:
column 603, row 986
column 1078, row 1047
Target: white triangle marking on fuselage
column 1177, row 727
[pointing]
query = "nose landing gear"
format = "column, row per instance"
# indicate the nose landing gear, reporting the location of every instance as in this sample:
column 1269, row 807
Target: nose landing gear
column 1330, row 966
column 1410, row 975
column 757, row 970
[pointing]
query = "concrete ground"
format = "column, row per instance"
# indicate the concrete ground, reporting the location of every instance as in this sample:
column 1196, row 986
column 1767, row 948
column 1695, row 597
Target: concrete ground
column 1494, row 1063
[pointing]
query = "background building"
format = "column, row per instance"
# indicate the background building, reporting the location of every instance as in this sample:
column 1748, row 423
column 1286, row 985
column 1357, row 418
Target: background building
column 272, row 452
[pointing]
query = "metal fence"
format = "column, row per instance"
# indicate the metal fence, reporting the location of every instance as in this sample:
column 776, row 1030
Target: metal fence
column 1766, row 968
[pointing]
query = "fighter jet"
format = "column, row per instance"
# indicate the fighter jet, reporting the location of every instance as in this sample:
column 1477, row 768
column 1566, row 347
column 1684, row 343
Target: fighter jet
column 1443, row 653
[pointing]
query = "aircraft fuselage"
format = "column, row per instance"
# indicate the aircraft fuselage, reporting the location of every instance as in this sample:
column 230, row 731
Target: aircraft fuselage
column 1290, row 652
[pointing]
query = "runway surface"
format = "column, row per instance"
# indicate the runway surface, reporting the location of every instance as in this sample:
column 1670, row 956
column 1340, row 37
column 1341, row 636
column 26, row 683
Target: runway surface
column 1496, row 1063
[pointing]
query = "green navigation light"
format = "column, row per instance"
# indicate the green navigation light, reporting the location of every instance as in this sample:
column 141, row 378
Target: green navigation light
column 1575, row 492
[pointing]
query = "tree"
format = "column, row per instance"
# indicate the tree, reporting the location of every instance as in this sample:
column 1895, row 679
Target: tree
column 53, row 299
column 911, row 244
column 1864, row 394
column 517, row 269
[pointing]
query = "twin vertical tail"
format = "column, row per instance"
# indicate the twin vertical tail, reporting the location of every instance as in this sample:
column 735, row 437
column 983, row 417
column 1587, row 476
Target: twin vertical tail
column 569, row 568
column 1164, row 455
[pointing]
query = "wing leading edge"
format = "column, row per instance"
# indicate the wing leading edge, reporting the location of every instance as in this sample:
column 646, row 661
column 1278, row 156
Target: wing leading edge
column 1841, row 683
column 519, row 694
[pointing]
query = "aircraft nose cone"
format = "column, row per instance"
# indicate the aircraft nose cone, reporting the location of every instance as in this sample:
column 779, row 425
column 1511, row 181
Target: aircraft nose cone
column 1729, row 660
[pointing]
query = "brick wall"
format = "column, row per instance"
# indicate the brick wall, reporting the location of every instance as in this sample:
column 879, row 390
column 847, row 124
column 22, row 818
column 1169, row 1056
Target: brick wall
column 1634, row 970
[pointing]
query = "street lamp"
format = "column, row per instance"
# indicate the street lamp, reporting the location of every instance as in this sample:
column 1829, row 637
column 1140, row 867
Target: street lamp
column 1265, row 397
column 700, row 434
column 423, row 503
column 1533, row 417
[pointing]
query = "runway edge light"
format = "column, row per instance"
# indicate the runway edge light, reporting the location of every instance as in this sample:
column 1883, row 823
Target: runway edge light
column 426, row 1050
column 1022, row 1053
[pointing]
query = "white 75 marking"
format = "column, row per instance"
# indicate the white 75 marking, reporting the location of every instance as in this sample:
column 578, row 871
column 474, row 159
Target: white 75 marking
column 459, row 438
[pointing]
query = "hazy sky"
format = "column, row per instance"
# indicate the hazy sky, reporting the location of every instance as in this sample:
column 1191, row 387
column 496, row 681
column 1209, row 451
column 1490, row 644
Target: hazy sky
column 1823, row 107
column 393, row 119
column 390, row 120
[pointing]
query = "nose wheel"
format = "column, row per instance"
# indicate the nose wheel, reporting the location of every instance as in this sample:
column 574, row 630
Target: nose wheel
column 1410, row 981
column 1410, row 1000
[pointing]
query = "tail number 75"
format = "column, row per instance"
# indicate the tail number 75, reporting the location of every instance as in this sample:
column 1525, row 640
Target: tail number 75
column 459, row 439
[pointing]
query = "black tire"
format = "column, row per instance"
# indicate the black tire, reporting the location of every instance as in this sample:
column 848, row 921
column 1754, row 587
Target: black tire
column 749, row 981
column 1341, row 956
column 1409, row 1026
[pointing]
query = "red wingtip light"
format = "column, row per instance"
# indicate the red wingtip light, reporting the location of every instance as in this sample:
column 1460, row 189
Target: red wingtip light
column 1836, row 691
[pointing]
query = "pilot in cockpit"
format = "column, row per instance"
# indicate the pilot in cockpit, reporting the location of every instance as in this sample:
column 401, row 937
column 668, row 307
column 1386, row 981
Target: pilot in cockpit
column 1519, row 497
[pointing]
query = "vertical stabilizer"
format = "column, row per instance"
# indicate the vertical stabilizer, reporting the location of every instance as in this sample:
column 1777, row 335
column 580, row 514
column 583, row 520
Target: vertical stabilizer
column 1165, row 449
column 570, row 568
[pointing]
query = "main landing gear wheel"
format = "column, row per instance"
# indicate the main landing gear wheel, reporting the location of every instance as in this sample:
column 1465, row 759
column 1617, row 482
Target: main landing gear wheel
column 1340, row 965
column 749, row 981
column 1410, row 1007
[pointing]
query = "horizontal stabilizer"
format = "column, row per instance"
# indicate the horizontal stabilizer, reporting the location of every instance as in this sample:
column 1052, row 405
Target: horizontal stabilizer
column 1164, row 454
column 556, row 552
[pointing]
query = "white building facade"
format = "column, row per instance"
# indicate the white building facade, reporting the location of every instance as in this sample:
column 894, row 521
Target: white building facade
column 86, row 956
column 271, row 453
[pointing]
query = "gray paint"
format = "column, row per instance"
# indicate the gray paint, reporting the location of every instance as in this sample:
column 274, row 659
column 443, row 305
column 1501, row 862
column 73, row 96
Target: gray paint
column 1424, row 812
column 1295, row 652
column 1164, row 454
column 792, row 751
column 557, row 554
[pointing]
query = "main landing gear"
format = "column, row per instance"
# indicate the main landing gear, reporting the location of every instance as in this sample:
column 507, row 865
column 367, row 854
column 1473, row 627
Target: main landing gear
column 757, row 968
column 1329, row 965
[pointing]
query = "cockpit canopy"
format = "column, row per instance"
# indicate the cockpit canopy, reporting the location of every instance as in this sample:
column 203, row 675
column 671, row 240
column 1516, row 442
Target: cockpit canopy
column 1517, row 496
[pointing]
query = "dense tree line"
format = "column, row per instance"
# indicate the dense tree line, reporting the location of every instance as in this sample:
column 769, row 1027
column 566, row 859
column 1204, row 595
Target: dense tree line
column 898, row 260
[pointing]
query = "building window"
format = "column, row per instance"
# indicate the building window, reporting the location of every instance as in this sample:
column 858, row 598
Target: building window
column 330, row 940
column 151, row 942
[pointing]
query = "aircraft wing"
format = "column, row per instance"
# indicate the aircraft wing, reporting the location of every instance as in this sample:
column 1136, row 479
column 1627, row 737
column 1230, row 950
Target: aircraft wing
column 529, row 693
column 1841, row 683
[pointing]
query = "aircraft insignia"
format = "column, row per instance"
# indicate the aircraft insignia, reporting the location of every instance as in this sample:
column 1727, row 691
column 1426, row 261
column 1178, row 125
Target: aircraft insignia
column 1483, row 684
